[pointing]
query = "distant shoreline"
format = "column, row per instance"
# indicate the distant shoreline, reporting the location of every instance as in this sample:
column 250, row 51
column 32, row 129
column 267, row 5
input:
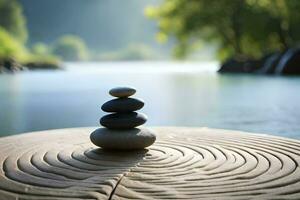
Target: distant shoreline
column 126, row 66
column 11, row 65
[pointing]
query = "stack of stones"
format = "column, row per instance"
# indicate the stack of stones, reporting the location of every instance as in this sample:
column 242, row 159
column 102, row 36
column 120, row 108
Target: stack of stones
column 120, row 130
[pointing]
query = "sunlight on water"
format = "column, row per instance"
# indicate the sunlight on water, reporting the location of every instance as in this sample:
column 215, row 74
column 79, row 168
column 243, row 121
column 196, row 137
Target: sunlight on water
column 144, row 67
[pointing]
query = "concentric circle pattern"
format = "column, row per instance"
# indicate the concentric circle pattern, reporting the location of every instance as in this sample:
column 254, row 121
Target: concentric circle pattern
column 185, row 163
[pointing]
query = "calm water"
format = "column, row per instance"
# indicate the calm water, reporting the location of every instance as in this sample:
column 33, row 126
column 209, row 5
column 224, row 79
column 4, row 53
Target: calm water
column 189, row 94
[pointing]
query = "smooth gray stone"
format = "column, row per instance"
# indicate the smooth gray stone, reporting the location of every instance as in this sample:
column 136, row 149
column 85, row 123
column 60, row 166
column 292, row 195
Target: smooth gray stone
column 122, row 91
column 123, row 120
column 123, row 105
column 137, row 138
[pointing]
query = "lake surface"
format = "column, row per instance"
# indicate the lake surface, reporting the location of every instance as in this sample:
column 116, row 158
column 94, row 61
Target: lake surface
column 176, row 94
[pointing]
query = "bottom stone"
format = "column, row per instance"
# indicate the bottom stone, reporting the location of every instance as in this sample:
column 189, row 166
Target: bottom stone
column 130, row 139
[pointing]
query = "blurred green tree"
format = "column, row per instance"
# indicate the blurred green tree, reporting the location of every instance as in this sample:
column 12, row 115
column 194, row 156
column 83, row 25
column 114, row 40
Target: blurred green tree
column 10, row 47
column 248, row 28
column 40, row 49
column 70, row 48
column 12, row 19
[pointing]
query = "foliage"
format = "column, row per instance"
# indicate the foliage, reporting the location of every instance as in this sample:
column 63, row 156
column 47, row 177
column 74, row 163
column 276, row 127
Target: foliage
column 70, row 48
column 12, row 50
column 40, row 49
column 35, row 61
column 13, row 35
column 12, row 19
column 10, row 47
column 239, row 27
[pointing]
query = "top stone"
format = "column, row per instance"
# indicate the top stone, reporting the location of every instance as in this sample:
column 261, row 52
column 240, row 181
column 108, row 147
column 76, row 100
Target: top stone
column 122, row 92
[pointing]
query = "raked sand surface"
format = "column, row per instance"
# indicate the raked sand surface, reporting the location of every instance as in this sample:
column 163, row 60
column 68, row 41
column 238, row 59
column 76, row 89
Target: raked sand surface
column 185, row 163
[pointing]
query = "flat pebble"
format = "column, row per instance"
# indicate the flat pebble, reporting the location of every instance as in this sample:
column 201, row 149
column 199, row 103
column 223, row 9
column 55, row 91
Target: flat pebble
column 123, row 105
column 137, row 138
column 123, row 120
column 122, row 91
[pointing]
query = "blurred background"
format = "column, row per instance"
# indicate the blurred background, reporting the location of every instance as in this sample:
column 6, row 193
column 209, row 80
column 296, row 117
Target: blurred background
column 230, row 64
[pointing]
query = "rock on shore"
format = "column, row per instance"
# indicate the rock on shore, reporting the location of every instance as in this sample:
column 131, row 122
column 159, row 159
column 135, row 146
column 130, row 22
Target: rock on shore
column 277, row 63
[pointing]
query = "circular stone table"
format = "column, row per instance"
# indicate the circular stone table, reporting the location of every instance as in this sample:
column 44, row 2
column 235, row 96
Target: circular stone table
column 187, row 163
